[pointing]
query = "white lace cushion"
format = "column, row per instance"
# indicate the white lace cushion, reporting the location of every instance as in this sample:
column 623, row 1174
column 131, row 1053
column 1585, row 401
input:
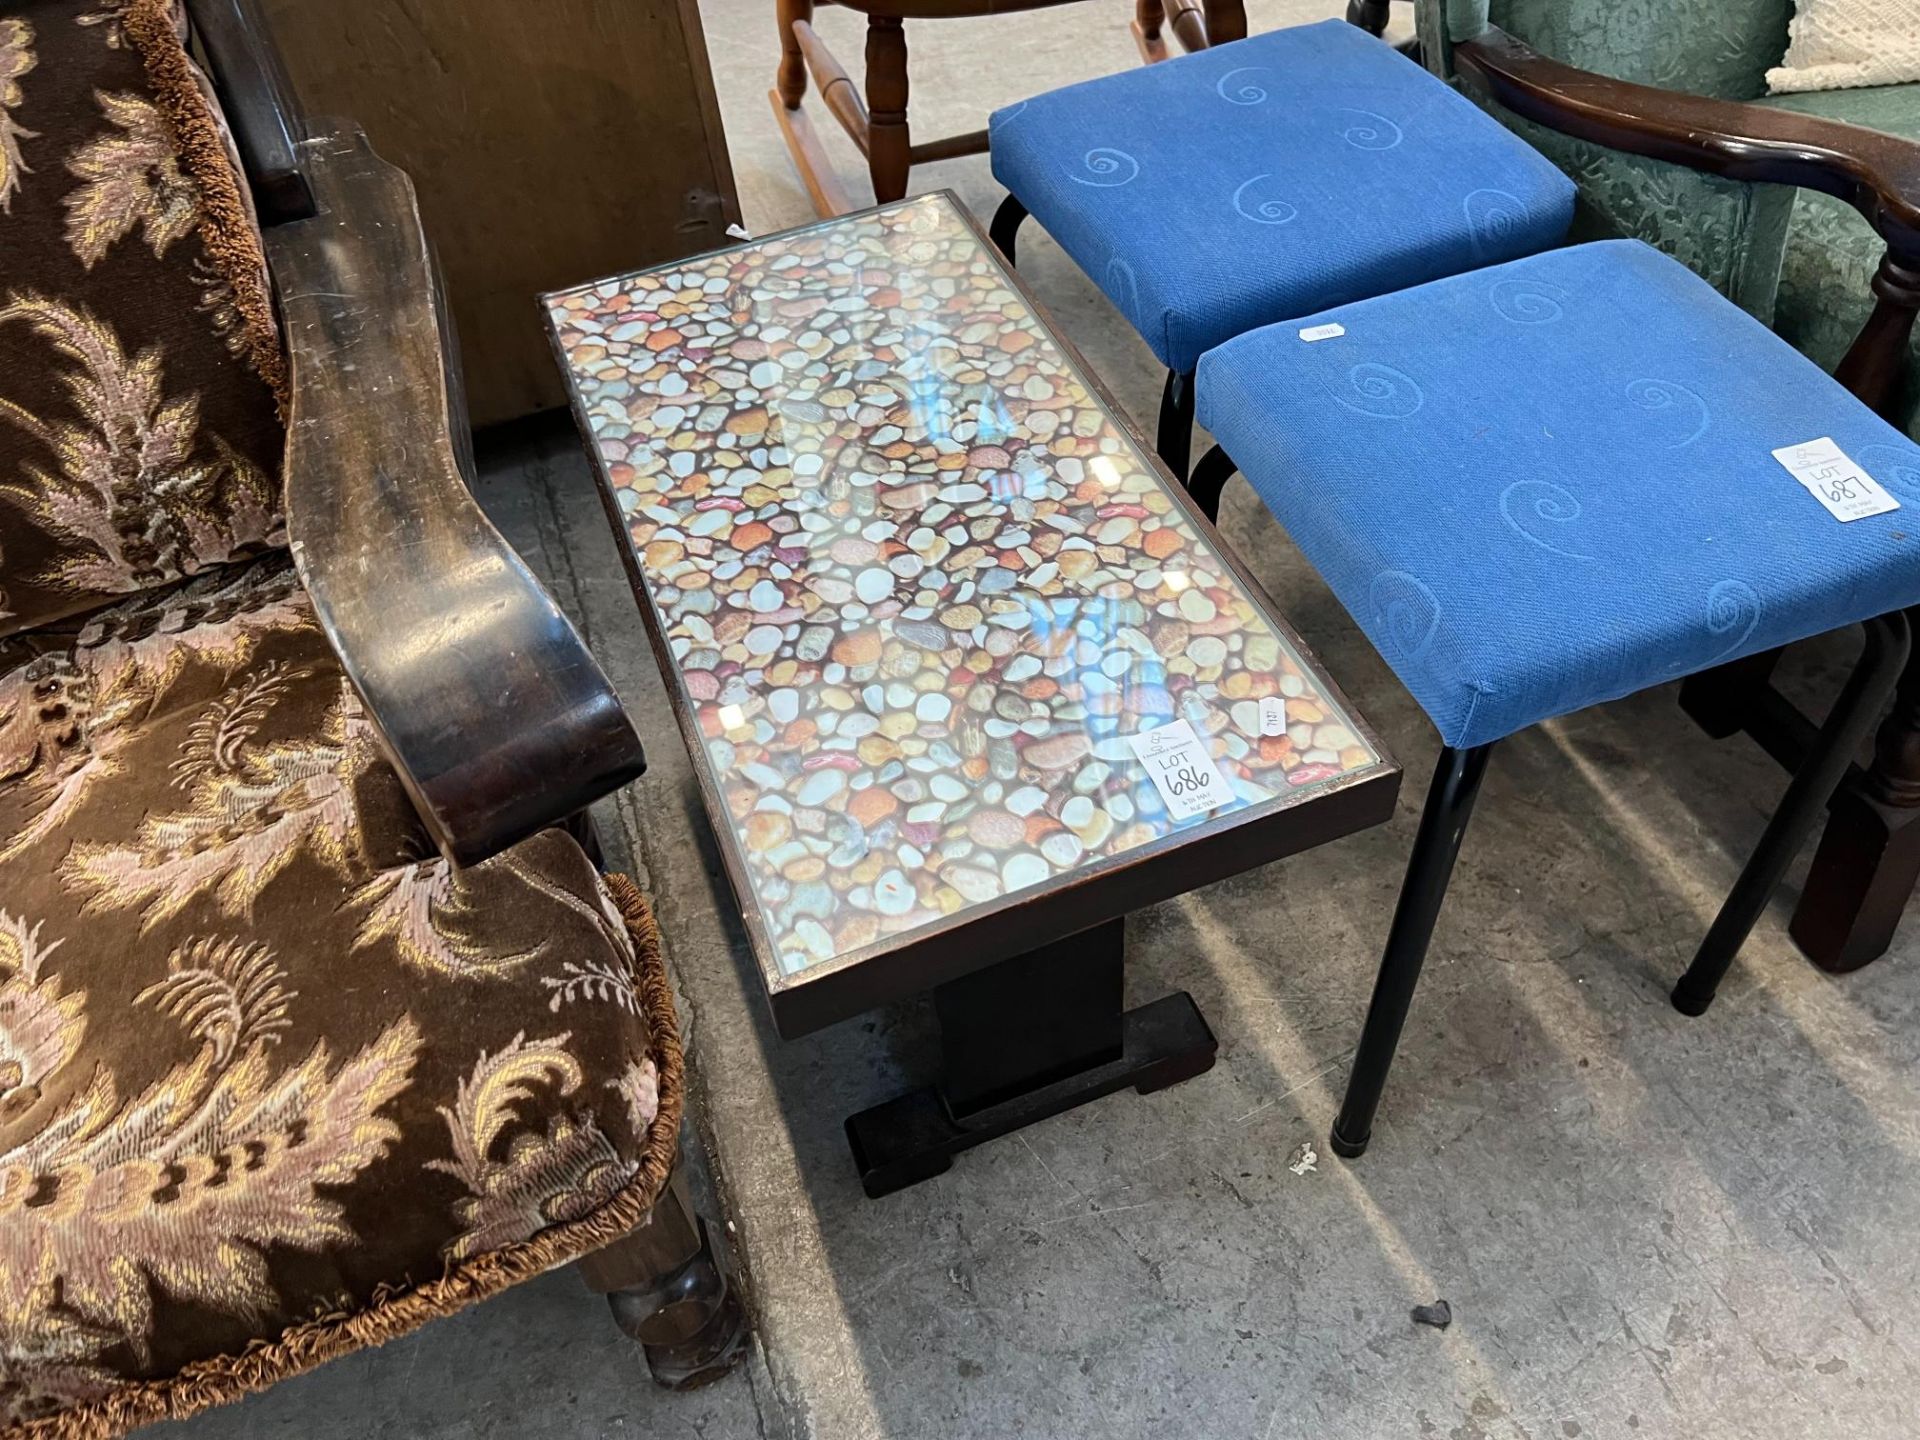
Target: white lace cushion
column 1840, row 44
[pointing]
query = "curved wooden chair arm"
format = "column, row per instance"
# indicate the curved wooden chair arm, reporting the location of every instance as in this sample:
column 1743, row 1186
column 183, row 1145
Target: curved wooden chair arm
column 1876, row 173
column 257, row 98
column 497, row 718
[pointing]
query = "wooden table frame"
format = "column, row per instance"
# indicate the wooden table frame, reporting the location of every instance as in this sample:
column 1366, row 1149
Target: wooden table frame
column 877, row 123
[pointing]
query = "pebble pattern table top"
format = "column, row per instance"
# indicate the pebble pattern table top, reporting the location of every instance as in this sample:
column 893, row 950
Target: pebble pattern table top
column 919, row 586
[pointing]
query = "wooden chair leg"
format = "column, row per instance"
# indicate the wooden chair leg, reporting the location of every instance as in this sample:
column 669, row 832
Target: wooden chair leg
column 1875, row 362
column 1370, row 15
column 789, row 89
column 667, row 1291
column 1149, row 18
column 1226, row 20
column 887, row 137
column 1868, row 862
column 1188, row 21
column 791, row 82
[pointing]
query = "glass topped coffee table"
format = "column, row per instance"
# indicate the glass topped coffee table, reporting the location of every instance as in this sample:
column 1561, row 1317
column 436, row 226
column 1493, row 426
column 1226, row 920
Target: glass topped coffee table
column 965, row 675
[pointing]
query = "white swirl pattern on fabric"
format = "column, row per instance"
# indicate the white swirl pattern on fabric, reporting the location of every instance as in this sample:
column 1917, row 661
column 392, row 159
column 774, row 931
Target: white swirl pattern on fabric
column 1527, row 302
column 1406, row 610
column 1732, row 609
column 1123, row 288
column 1382, row 391
column 1663, row 395
column 1107, row 168
column 1382, row 134
column 1247, row 94
column 1554, row 504
column 1274, row 211
column 1492, row 218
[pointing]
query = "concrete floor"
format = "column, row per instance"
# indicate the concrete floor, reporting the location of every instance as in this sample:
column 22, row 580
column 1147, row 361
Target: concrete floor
column 1646, row 1226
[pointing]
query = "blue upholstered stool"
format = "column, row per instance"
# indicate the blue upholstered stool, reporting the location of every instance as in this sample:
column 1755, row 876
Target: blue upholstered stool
column 1552, row 483
column 1266, row 179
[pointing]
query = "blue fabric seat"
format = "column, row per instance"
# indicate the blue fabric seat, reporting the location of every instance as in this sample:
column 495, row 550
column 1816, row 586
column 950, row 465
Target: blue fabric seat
column 1550, row 483
column 1271, row 178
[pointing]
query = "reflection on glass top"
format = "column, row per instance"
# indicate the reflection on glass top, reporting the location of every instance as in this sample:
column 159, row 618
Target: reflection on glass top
column 919, row 587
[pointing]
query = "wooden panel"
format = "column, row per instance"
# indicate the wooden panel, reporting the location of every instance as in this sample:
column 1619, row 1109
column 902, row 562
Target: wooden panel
column 550, row 143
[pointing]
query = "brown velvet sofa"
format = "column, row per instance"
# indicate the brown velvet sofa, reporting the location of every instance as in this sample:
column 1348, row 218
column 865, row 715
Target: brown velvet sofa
column 315, row 1021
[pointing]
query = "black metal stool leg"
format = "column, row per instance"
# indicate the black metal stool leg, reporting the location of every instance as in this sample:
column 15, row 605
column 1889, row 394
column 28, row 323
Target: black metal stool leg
column 1456, row 782
column 1006, row 225
column 1853, row 715
column 1209, row 478
column 1175, row 438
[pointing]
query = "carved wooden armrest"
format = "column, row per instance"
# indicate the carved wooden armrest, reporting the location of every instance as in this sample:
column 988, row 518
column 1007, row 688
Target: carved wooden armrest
column 1876, row 173
column 497, row 718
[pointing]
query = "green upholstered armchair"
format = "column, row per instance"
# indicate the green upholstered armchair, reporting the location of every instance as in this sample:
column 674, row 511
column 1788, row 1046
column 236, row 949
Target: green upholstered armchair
column 1800, row 259
column 1797, row 211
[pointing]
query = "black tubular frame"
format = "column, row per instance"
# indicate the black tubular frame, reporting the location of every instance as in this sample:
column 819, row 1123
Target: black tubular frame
column 1449, row 806
column 1005, row 229
column 1209, row 478
column 1862, row 699
column 1443, row 825
column 1174, row 436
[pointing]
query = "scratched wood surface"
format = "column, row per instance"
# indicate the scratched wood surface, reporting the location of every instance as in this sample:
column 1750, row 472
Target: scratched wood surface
column 491, row 707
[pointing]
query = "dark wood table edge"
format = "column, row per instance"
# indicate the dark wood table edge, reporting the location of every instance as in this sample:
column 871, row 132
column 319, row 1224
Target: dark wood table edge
column 945, row 950
column 940, row 955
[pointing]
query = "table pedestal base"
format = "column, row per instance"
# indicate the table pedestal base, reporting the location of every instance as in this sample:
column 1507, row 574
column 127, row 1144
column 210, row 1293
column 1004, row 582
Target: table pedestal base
column 1022, row 1040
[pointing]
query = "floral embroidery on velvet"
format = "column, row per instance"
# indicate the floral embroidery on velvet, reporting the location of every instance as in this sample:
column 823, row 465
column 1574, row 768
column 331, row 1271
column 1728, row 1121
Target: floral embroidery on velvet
column 109, row 17
column 427, row 911
column 192, row 1094
column 141, row 500
column 68, row 717
column 186, row 1185
column 541, row 1176
column 249, row 813
column 16, row 59
column 130, row 176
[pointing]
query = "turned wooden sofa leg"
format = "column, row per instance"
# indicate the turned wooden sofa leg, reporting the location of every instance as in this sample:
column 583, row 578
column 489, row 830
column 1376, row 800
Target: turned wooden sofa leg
column 668, row 1291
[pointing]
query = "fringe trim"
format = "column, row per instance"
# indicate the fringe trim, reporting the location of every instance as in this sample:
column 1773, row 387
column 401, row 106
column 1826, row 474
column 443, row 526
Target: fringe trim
column 395, row 1311
column 226, row 222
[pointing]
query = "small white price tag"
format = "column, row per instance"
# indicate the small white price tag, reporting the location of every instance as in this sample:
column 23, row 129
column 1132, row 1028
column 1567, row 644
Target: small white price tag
column 1848, row 492
column 1322, row 332
column 1273, row 715
column 1181, row 769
